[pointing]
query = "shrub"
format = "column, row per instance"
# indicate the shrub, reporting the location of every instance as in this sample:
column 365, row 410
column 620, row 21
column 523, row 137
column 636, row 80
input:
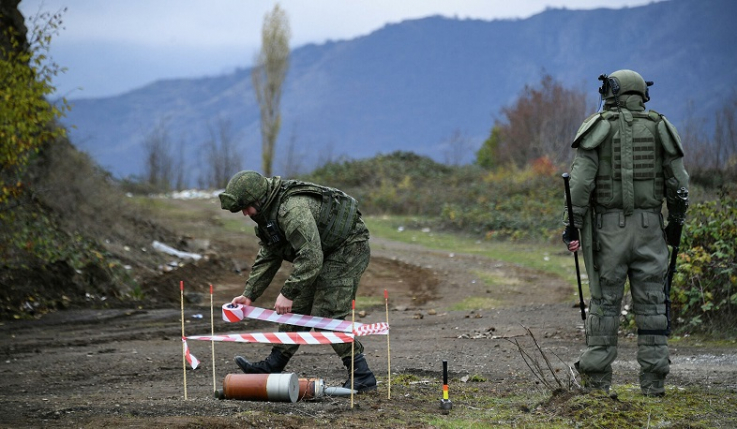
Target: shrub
column 705, row 285
column 507, row 202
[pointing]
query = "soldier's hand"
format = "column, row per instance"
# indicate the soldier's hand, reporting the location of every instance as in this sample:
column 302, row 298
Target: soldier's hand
column 570, row 234
column 241, row 300
column 283, row 304
column 574, row 245
column 671, row 234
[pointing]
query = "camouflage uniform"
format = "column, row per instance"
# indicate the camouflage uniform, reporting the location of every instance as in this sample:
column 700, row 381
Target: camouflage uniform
column 320, row 231
column 326, row 272
column 627, row 161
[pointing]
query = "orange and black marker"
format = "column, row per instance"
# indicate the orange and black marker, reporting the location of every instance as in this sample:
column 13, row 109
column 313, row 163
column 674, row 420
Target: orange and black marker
column 445, row 403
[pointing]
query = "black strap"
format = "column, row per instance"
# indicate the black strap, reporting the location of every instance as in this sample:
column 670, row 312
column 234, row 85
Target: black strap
column 653, row 332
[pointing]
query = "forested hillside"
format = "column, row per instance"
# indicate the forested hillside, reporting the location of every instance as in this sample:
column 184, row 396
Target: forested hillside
column 432, row 86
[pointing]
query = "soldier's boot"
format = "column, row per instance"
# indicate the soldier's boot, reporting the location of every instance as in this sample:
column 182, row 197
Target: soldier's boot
column 363, row 378
column 273, row 364
column 595, row 380
column 652, row 384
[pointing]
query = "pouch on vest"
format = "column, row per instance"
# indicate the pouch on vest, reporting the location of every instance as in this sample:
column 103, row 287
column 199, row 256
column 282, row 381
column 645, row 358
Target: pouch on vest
column 338, row 213
column 269, row 234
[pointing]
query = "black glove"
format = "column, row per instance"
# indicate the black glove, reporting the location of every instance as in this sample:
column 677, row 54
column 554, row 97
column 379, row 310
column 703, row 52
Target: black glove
column 570, row 234
column 672, row 234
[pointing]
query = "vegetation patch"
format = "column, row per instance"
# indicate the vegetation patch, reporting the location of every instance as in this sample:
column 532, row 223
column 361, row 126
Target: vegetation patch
column 705, row 285
column 549, row 258
column 476, row 303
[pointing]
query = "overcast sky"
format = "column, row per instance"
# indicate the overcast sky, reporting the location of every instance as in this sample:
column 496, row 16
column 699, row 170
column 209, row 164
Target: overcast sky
column 113, row 46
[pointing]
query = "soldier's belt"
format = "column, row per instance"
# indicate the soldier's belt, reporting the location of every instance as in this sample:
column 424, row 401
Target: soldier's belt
column 604, row 210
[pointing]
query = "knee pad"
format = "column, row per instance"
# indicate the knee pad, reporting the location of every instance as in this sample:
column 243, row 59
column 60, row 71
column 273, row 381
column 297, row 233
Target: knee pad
column 601, row 330
column 650, row 316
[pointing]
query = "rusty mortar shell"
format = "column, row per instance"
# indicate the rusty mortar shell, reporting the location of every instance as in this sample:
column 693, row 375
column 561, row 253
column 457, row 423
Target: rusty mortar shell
column 260, row 387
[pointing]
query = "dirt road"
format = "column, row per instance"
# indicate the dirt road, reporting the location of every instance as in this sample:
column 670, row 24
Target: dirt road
column 123, row 367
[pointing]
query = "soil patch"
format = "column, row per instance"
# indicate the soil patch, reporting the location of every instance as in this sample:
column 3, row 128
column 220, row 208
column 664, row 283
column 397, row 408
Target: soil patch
column 122, row 367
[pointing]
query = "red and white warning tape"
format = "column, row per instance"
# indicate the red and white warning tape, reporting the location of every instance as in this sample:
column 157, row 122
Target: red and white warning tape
column 193, row 361
column 380, row 328
column 281, row 337
column 342, row 329
column 236, row 313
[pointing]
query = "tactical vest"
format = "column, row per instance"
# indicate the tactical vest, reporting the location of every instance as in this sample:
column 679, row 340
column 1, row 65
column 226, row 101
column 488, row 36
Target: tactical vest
column 630, row 174
column 338, row 214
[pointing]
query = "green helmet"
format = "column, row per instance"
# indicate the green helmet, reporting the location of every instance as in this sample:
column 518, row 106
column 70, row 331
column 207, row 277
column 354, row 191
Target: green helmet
column 624, row 82
column 245, row 189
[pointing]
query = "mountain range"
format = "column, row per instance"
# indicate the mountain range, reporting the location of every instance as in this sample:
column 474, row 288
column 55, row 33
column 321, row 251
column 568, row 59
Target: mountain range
column 419, row 84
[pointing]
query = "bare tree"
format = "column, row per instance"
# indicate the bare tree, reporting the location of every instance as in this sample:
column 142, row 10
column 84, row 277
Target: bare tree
column 158, row 166
column 180, row 180
column 223, row 159
column 292, row 161
column 456, row 148
column 711, row 158
column 693, row 134
column 268, row 76
column 326, row 156
column 725, row 134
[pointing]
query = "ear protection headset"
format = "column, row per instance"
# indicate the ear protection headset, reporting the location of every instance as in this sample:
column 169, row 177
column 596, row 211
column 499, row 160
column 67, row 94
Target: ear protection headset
column 648, row 84
column 608, row 83
column 612, row 83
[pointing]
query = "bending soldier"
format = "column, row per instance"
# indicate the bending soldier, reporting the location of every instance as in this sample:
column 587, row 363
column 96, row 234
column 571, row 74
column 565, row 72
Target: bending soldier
column 319, row 230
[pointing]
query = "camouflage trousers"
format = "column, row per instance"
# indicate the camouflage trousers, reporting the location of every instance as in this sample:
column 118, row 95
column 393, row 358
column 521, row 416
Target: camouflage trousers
column 332, row 293
column 634, row 248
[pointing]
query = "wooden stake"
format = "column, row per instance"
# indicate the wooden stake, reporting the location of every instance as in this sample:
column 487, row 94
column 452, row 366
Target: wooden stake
column 184, row 357
column 212, row 333
column 388, row 350
column 353, row 346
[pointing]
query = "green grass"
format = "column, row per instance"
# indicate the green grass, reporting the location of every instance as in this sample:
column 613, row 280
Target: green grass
column 491, row 279
column 545, row 257
column 481, row 404
column 475, row 303
column 369, row 302
column 194, row 215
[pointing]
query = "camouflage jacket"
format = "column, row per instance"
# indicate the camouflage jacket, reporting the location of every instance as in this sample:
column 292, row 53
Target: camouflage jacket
column 304, row 223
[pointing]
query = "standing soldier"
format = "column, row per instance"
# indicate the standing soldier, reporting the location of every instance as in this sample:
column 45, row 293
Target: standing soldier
column 627, row 161
column 319, row 230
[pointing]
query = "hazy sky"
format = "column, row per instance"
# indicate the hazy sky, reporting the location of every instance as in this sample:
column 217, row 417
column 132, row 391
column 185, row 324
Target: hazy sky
column 113, row 46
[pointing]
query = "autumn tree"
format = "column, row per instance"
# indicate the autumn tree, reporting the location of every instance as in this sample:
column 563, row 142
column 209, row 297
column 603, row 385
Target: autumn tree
column 27, row 118
column 268, row 75
column 541, row 123
column 488, row 154
column 28, row 133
